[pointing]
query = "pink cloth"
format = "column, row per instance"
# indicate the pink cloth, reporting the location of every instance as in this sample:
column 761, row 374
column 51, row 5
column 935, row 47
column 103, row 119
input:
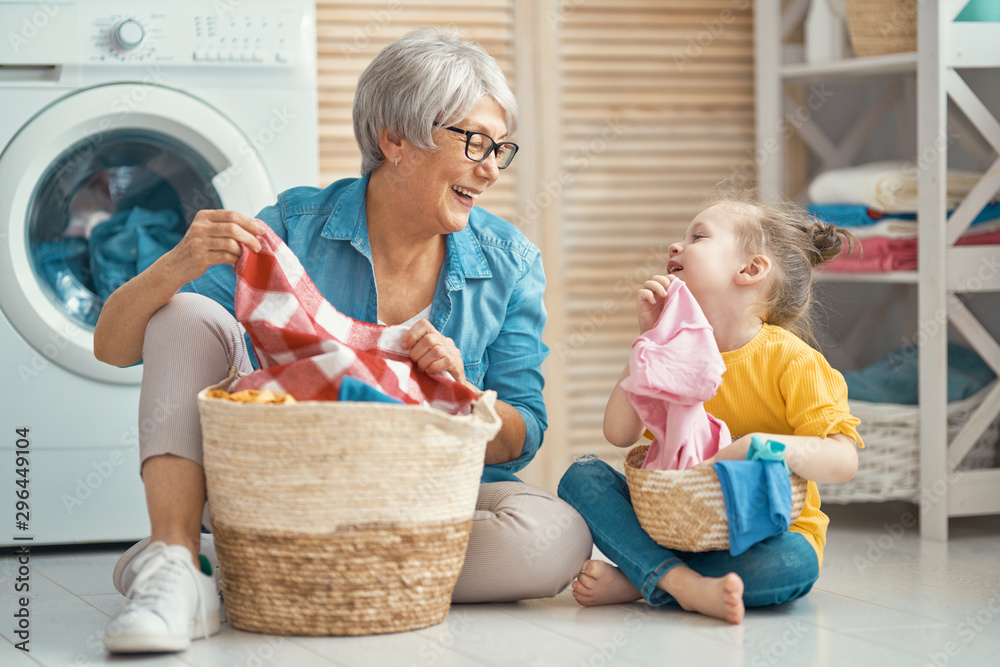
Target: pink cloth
column 889, row 254
column 877, row 254
column 305, row 346
column 673, row 369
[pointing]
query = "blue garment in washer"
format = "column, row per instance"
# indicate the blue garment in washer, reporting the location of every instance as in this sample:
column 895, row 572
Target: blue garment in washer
column 64, row 264
column 127, row 243
column 758, row 497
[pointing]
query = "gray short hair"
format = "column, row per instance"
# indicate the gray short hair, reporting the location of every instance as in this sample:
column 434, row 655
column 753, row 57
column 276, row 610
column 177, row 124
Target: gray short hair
column 431, row 74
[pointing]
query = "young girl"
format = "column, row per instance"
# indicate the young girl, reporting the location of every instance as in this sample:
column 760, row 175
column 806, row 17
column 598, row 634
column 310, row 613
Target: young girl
column 749, row 266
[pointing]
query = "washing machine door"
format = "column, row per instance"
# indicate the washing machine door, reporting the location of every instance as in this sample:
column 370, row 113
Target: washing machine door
column 96, row 187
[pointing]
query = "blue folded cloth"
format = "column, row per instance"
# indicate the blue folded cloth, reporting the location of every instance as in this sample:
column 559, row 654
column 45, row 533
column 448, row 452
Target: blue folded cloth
column 128, row 242
column 847, row 215
column 893, row 378
column 353, row 389
column 859, row 215
column 758, row 495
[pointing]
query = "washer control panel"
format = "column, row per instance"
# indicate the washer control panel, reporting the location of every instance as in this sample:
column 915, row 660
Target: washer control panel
column 229, row 31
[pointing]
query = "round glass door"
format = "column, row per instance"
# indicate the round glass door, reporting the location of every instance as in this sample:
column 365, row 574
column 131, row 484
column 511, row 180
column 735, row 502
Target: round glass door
column 91, row 196
column 104, row 213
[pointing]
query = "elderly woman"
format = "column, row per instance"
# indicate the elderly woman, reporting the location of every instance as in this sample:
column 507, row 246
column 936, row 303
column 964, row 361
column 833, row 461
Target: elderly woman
column 404, row 244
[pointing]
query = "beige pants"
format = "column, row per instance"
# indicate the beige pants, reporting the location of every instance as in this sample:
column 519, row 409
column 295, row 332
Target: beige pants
column 525, row 543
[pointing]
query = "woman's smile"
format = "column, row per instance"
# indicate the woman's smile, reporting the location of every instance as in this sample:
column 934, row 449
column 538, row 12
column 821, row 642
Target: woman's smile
column 466, row 196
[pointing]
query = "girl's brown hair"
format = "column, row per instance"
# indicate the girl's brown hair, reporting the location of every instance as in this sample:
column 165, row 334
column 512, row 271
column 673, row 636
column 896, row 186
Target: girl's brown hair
column 796, row 242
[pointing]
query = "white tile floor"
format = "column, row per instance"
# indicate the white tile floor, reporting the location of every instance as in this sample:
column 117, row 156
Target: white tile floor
column 885, row 598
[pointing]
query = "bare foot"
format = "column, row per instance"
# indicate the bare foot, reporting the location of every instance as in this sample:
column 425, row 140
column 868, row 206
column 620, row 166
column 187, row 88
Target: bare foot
column 718, row 597
column 603, row 583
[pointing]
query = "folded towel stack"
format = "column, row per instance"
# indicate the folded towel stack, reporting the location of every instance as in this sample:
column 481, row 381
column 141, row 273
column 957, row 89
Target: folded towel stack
column 890, row 187
column 878, row 203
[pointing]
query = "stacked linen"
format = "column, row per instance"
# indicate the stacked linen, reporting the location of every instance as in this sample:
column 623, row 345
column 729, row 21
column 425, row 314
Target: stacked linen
column 889, row 242
column 890, row 187
column 878, row 202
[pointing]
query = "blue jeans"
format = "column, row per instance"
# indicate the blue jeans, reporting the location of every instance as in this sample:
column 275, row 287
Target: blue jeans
column 779, row 569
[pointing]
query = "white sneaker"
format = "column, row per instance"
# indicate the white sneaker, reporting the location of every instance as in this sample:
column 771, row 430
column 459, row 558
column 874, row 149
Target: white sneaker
column 123, row 574
column 170, row 602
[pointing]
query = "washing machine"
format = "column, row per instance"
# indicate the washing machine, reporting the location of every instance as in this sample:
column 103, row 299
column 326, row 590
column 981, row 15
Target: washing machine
column 119, row 120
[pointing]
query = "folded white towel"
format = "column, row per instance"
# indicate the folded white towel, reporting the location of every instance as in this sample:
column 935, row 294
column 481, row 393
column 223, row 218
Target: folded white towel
column 886, row 186
column 894, row 228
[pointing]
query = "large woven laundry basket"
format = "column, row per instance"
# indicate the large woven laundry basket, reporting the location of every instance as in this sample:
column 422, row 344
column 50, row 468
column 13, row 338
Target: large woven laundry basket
column 889, row 465
column 341, row 518
column 685, row 509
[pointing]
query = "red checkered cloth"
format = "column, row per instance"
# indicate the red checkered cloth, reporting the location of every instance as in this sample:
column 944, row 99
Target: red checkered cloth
column 305, row 346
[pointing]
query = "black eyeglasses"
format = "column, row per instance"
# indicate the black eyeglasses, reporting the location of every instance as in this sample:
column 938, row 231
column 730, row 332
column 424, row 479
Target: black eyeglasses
column 478, row 146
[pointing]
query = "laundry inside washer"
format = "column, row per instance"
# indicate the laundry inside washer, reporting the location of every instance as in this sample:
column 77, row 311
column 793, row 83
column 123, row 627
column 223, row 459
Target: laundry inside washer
column 108, row 208
column 119, row 121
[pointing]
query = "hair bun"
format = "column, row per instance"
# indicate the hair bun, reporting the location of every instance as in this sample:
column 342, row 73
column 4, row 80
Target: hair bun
column 827, row 241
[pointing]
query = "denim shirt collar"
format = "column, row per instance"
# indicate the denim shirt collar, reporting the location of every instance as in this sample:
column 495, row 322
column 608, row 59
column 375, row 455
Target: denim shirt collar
column 349, row 222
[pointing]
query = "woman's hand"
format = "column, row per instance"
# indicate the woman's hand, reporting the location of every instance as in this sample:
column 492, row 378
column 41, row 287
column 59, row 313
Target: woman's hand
column 434, row 352
column 214, row 237
column 652, row 297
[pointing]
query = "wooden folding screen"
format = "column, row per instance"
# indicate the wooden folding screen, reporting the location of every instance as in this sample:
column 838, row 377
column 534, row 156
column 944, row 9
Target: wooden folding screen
column 631, row 110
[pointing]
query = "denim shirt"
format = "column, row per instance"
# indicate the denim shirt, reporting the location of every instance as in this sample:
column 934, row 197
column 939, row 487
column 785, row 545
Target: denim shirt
column 488, row 297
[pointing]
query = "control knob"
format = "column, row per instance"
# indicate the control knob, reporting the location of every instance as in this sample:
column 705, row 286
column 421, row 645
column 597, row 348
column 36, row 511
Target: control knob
column 127, row 35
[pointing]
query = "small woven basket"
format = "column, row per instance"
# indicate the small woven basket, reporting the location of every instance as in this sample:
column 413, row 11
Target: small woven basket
column 889, row 465
column 881, row 27
column 341, row 518
column 685, row 509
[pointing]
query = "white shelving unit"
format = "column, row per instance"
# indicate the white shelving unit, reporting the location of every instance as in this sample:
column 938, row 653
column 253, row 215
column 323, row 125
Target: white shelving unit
column 945, row 271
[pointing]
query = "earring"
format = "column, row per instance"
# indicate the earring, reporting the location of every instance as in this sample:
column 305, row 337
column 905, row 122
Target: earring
column 397, row 160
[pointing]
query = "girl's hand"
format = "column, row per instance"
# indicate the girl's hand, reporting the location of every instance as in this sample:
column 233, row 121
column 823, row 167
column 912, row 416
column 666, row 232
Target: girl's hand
column 214, row 237
column 736, row 451
column 652, row 297
column 833, row 458
column 434, row 352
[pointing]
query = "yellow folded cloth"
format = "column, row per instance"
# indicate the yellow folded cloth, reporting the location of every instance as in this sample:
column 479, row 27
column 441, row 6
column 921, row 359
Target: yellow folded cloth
column 253, row 396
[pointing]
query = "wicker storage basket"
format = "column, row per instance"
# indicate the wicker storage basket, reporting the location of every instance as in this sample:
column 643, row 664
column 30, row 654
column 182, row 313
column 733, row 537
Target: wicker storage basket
column 684, row 509
column 889, row 465
column 879, row 27
column 338, row 518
